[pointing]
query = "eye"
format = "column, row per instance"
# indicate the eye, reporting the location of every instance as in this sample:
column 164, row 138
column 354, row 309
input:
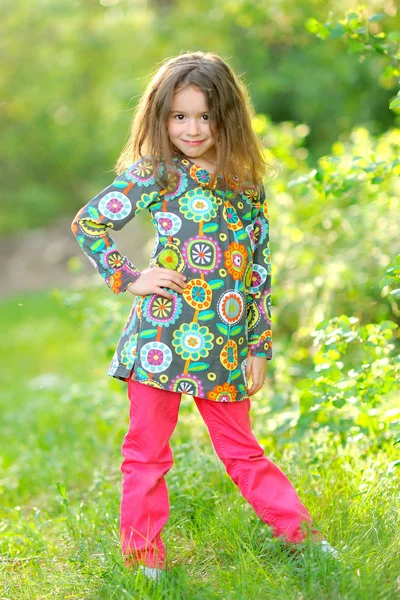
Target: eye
column 205, row 115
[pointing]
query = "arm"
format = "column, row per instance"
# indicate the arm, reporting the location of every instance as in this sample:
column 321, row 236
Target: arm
column 259, row 296
column 113, row 208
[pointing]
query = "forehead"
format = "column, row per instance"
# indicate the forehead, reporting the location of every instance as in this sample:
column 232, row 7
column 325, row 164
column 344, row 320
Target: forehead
column 189, row 99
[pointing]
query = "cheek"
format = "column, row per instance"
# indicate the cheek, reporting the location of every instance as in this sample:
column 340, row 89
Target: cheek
column 173, row 128
column 207, row 129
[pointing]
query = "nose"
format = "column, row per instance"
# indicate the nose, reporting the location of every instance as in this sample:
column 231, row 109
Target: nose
column 193, row 127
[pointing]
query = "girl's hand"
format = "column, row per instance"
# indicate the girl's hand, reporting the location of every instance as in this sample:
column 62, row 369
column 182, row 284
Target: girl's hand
column 152, row 278
column 256, row 368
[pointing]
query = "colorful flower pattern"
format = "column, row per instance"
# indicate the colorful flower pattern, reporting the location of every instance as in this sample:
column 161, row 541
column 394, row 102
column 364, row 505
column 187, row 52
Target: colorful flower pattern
column 197, row 342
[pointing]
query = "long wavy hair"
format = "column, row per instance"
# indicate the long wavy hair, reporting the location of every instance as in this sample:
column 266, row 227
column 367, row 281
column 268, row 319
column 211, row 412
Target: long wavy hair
column 239, row 151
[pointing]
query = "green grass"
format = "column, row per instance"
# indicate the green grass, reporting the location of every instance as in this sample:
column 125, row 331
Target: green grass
column 62, row 424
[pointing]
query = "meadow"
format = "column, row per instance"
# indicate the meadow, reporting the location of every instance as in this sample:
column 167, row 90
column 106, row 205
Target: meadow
column 63, row 422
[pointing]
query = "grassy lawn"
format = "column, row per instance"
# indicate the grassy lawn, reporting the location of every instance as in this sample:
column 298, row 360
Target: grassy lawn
column 62, row 424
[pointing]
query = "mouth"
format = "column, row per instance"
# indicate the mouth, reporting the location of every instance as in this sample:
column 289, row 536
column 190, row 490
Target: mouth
column 193, row 143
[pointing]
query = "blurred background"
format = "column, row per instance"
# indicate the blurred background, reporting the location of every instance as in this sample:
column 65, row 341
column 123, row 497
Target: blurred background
column 323, row 77
column 72, row 72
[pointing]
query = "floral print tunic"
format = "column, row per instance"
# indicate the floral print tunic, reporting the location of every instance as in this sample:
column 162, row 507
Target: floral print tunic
column 198, row 342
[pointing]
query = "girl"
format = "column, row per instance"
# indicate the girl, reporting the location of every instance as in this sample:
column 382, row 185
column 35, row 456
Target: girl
column 200, row 323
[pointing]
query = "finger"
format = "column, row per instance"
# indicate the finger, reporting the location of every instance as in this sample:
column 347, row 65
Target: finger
column 256, row 386
column 178, row 286
column 172, row 285
column 250, row 386
column 179, row 277
column 161, row 292
column 173, row 277
column 259, row 386
column 252, row 390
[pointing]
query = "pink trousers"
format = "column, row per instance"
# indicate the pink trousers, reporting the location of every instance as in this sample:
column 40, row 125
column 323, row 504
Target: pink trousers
column 148, row 457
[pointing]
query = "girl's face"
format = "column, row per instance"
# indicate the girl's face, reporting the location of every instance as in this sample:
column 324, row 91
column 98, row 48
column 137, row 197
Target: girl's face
column 189, row 125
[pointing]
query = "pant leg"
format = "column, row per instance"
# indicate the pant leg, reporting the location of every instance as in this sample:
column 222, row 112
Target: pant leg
column 147, row 458
column 261, row 482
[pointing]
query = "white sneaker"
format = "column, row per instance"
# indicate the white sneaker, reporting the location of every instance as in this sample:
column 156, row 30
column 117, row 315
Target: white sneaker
column 150, row 572
column 326, row 547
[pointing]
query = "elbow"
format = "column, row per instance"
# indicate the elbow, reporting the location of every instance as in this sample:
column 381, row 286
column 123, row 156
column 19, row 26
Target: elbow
column 75, row 222
column 74, row 226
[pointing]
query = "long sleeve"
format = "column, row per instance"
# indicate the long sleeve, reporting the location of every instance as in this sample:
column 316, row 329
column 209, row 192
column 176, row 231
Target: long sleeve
column 130, row 193
column 259, row 295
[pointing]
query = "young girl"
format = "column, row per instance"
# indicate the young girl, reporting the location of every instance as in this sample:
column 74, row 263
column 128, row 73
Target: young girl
column 200, row 323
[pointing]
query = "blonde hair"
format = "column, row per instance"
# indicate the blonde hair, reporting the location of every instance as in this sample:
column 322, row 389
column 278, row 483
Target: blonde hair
column 239, row 151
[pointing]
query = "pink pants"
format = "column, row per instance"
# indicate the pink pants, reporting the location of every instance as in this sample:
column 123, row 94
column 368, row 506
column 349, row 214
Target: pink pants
column 148, row 457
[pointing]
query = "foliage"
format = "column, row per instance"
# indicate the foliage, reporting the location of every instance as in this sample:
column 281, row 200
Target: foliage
column 362, row 36
column 392, row 277
column 66, row 115
column 354, row 367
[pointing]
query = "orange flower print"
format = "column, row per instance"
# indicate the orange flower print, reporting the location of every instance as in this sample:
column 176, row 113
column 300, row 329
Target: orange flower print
column 229, row 355
column 198, row 294
column 115, row 281
column 223, row 393
column 236, row 259
column 266, row 337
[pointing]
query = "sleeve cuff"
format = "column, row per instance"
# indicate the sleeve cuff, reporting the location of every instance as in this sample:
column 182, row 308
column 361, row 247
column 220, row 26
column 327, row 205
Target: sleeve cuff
column 261, row 345
column 121, row 278
column 261, row 353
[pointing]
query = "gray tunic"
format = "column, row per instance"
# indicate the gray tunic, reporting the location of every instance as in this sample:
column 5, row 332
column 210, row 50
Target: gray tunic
column 198, row 342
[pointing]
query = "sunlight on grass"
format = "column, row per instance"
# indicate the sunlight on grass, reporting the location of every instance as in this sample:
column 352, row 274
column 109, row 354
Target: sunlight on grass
column 63, row 422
